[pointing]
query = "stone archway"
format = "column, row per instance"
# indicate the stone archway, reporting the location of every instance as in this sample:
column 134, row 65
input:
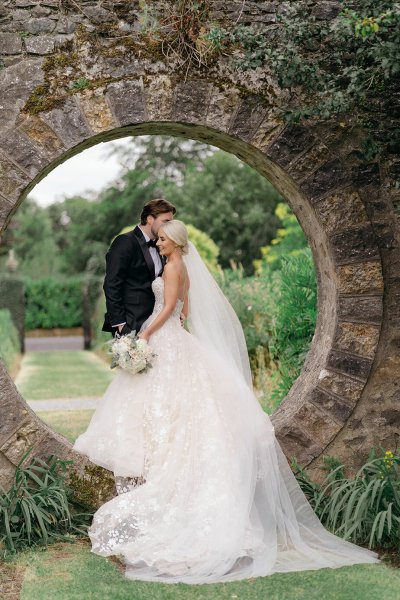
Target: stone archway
column 345, row 399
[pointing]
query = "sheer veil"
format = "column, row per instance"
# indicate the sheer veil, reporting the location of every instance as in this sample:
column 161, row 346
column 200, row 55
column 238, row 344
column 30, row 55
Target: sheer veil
column 211, row 317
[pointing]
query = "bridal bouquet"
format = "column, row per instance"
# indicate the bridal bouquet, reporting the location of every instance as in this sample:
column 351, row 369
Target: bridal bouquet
column 131, row 353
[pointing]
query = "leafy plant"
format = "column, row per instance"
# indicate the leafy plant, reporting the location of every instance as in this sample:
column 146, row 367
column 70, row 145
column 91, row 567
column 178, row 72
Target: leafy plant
column 363, row 509
column 9, row 342
column 36, row 509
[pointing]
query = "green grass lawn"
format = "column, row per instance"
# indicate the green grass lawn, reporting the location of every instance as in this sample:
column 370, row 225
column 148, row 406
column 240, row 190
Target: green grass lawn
column 69, row 423
column 72, row 572
column 62, row 374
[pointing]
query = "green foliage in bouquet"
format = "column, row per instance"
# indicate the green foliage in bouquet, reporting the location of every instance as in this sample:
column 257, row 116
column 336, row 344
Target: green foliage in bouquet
column 362, row 509
column 36, row 510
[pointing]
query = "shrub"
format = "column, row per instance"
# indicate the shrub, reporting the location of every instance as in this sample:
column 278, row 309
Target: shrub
column 36, row 509
column 12, row 298
column 9, row 342
column 53, row 303
column 293, row 297
column 363, row 509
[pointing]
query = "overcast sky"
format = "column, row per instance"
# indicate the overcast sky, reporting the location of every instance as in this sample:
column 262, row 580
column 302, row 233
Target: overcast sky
column 91, row 170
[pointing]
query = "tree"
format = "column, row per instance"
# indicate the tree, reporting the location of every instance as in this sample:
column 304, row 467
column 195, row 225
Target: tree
column 162, row 156
column 232, row 203
column 30, row 235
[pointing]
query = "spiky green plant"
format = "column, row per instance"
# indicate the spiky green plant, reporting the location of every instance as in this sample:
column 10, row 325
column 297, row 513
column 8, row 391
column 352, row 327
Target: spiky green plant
column 36, row 509
column 363, row 509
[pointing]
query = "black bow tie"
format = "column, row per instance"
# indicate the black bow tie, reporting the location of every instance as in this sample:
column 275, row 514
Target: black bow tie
column 151, row 244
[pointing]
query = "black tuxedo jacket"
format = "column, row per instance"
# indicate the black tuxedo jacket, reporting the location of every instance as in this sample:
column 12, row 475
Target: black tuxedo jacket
column 127, row 284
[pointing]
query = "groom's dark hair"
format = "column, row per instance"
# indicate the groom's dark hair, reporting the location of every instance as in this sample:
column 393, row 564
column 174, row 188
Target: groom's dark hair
column 154, row 208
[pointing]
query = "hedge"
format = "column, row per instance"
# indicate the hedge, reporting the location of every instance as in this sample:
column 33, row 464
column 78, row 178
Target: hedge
column 53, row 303
column 9, row 342
column 12, row 299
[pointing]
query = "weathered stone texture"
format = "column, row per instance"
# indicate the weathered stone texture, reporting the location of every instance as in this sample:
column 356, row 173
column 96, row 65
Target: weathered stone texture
column 343, row 207
column 96, row 110
column 41, row 44
column 366, row 310
column 354, row 366
column 340, row 385
column 347, row 395
column 357, row 338
column 10, row 43
column 360, row 278
column 355, row 244
column 127, row 102
column 68, row 123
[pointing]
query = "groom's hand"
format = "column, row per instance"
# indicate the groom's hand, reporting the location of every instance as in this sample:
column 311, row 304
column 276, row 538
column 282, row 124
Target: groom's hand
column 124, row 329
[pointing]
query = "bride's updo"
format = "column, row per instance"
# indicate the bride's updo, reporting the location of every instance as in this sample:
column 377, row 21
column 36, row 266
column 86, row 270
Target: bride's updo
column 176, row 231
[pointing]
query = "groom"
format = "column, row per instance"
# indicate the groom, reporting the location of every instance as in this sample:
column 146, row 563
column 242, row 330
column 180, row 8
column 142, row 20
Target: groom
column 132, row 263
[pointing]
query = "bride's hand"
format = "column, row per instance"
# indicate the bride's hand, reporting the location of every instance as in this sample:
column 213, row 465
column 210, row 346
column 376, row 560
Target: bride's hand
column 144, row 336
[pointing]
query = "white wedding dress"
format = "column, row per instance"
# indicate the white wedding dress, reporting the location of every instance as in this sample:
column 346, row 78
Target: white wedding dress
column 219, row 501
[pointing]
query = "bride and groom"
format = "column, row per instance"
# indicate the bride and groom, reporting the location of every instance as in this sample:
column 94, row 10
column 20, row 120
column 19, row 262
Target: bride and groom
column 218, row 500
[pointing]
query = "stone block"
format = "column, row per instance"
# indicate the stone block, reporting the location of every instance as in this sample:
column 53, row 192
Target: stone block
column 354, row 366
column 40, row 26
column 159, row 94
column 25, row 3
column 360, row 278
column 41, row 44
column 329, row 176
column 10, row 43
column 307, row 162
column 248, row 118
column 355, row 244
column 340, row 385
column 309, row 432
column 41, row 11
column 39, row 132
column 357, row 338
column 326, row 11
column 297, row 444
column 365, row 174
column 12, row 179
column 294, row 140
column 16, row 84
column 344, row 207
column 65, row 25
column 269, row 130
column 67, row 122
column 127, row 102
column 28, row 434
column 222, row 106
column 26, row 154
column 13, row 412
column 336, row 408
column 96, row 110
column 365, row 310
column 99, row 15
column 191, row 101
column 6, row 207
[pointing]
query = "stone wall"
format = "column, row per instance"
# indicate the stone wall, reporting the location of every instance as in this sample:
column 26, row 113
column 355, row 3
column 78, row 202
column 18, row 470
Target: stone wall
column 78, row 73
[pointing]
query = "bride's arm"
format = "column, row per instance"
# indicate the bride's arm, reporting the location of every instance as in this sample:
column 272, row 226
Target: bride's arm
column 171, row 290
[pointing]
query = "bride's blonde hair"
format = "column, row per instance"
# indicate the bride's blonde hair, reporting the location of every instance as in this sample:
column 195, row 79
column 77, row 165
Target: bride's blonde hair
column 176, row 231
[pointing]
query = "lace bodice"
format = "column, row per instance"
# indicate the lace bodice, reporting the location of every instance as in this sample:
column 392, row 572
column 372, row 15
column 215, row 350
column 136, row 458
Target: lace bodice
column 158, row 289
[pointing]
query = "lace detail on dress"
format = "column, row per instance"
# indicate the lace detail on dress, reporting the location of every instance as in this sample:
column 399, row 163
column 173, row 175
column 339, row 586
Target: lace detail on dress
column 212, row 496
column 158, row 289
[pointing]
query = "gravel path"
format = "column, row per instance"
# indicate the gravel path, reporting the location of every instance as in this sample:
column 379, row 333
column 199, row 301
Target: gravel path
column 44, row 344
column 64, row 404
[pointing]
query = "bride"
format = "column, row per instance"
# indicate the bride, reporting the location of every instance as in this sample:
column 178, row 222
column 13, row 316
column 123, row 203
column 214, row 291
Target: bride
column 218, row 500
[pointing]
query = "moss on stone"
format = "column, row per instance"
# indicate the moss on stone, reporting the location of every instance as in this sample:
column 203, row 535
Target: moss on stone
column 94, row 487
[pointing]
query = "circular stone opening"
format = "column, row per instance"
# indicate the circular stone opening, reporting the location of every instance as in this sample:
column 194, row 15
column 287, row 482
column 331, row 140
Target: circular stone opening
column 349, row 309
